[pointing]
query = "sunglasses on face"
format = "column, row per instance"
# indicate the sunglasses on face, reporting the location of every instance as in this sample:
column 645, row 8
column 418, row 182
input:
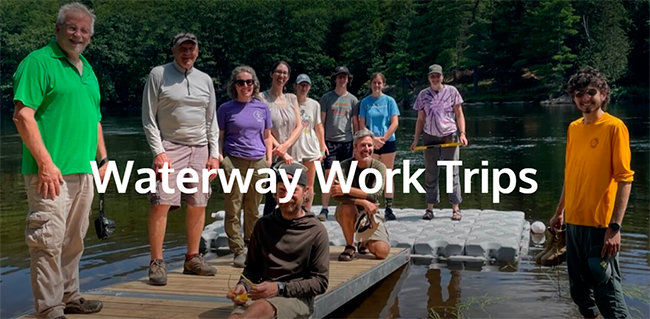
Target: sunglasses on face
column 590, row 92
column 248, row 82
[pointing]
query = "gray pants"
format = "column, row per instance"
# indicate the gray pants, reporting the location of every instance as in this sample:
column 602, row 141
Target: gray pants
column 431, row 157
column 55, row 234
column 606, row 298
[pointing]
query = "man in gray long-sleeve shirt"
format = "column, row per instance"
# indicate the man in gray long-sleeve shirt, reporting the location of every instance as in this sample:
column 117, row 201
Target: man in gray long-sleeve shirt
column 180, row 123
column 288, row 258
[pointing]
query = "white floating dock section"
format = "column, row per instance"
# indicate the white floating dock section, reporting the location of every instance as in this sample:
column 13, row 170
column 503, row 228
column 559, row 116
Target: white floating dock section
column 481, row 235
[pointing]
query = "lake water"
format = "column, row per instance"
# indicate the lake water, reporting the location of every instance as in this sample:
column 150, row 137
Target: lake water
column 512, row 136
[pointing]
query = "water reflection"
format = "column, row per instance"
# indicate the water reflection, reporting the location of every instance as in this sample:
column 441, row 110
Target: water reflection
column 437, row 305
column 516, row 137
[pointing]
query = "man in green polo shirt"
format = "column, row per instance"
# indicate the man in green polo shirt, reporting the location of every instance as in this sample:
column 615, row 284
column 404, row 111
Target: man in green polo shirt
column 56, row 97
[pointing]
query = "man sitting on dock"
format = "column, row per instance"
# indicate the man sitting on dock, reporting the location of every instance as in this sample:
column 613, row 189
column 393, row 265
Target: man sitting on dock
column 288, row 258
column 358, row 209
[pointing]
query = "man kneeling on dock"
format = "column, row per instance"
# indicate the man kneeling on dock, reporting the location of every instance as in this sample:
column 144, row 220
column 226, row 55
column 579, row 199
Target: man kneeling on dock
column 288, row 258
column 358, row 209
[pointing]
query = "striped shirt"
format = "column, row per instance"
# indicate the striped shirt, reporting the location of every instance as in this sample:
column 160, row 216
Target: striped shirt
column 440, row 118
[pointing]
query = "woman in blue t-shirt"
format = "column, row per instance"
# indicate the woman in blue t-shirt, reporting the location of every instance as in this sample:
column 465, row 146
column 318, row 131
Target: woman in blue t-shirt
column 378, row 112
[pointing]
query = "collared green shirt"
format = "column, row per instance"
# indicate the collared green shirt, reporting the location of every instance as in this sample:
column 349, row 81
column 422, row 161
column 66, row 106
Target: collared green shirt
column 67, row 108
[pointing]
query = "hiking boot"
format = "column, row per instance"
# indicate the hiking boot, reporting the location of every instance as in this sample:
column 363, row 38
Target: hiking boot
column 198, row 266
column 388, row 214
column 428, row 215
column 83, row 306
column 157, row 273
column 323, row 214
column 547, row 247
column 557, row 254
column 239, row 261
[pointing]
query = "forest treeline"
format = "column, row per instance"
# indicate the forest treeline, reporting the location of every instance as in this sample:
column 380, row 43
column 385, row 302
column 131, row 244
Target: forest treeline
column 491, row 49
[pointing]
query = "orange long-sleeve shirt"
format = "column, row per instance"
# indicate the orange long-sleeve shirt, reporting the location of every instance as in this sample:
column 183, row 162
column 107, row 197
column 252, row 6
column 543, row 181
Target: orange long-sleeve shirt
column 597, row 158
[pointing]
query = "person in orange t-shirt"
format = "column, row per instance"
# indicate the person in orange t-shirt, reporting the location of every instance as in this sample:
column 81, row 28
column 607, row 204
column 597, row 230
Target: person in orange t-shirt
column 597, row 184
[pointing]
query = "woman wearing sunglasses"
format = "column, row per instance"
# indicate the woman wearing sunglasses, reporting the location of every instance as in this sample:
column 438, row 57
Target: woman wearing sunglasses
column 245, row 125
column 285, row 116
column 378, row 112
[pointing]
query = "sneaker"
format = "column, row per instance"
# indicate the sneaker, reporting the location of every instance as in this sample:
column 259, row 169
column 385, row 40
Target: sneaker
column 83, row 306
column 157, row 273
column 198, row 266
column 323, row 214
column 239, row 261
column 428, row 215
column 388, row 214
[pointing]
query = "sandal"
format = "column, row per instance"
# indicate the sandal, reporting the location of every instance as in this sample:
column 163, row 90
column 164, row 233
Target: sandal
column 348, row 253
column 456, row 215
column 362, row 249
column 428, row 215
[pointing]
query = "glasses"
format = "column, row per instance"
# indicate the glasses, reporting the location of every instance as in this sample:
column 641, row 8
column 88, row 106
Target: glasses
column 590, row 92
column 72, row 29
column 278, row 72
column 248, row 82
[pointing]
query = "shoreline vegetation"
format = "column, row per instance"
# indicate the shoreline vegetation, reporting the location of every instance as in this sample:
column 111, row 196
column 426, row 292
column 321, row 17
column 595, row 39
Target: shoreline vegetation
column 493, row 51
column 633, row 94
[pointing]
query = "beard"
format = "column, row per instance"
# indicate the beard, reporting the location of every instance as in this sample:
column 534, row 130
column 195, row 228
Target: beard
column 291, row 207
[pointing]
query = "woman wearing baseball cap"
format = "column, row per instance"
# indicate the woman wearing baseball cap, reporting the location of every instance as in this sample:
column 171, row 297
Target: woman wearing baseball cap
column 440, row 115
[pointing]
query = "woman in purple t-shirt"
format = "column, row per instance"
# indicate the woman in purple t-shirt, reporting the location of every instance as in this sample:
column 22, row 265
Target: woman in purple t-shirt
column 245, row 125
column 440, row 115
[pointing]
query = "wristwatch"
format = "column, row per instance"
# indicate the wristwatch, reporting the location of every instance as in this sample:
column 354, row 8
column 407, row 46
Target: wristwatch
column 281, row 289
column 614, row 226
column 102, row 162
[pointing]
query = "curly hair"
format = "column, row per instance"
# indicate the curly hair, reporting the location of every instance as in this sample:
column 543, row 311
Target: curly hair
column 232, row 82
column 586, row 77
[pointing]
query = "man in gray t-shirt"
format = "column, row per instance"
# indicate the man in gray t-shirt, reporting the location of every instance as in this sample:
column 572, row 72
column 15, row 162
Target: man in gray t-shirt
column 339, row 114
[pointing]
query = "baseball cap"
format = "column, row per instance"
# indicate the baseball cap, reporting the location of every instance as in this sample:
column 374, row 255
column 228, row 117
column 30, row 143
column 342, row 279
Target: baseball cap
column 303, row 78
column 291, row 169
column 435, row 68
column 183, row 37
column 341, row 70
column 601, row 268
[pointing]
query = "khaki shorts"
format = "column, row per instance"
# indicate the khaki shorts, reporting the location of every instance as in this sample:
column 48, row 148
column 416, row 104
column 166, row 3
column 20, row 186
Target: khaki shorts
column 380, row 233
column 287, row 308
column 183, row 156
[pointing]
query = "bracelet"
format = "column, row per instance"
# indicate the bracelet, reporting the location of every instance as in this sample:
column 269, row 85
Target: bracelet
column 463, row 133
column 102, row 162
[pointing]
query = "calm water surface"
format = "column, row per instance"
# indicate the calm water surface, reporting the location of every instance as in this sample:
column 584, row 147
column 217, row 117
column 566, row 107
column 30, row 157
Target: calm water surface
column 515, row 137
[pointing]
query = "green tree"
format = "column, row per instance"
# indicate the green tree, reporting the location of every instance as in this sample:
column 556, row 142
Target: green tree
column 603, row 42
column 545, row 54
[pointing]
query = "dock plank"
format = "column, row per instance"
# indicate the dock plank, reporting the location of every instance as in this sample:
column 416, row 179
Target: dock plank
column 187, row 296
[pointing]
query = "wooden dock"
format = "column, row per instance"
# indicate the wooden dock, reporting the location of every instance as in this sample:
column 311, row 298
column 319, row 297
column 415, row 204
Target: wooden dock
column 187, row 296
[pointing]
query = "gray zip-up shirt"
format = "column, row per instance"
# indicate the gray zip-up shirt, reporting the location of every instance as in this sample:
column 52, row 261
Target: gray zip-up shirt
column 179, row 106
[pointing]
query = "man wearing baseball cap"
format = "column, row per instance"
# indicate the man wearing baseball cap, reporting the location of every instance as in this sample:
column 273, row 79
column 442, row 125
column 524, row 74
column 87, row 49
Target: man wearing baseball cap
column 288, row 257
column 180, row 123
column 339, row 113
